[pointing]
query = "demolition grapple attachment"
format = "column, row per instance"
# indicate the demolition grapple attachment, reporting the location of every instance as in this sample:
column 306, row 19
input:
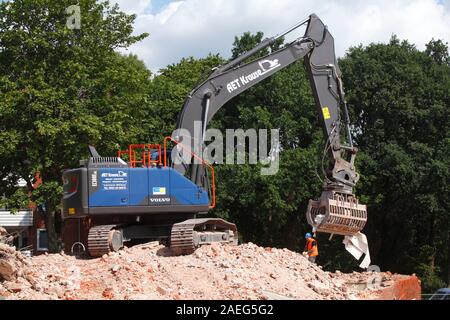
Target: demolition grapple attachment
column 336, row 213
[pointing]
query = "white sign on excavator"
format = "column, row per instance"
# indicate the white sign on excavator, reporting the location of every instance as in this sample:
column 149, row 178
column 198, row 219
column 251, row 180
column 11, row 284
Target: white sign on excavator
column 264, row 67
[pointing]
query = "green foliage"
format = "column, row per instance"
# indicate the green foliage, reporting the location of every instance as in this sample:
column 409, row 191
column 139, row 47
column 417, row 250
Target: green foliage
column 248, row 41
column 438, row 50
column 400, row 99
column 427, row 271
column 15, row 199
column 61, row 89
column 168, row 91
column 48, row 193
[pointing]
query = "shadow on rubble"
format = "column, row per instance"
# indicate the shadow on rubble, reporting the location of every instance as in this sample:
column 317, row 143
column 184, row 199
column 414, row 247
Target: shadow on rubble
column 164, row 252
column 161, row 251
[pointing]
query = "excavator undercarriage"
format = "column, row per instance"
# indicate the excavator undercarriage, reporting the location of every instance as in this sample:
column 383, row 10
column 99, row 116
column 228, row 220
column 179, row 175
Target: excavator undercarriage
column 182, row 237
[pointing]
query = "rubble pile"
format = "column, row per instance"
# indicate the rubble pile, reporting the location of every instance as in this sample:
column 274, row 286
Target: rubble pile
column 149, row 271
column 4, row 236
column 11, row 261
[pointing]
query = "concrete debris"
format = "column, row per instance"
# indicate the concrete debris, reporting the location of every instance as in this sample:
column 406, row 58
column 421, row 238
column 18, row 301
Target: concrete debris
column 5, row 237
column 11, row 262
column 149, row 271
column 357, row 245
column 267, row 295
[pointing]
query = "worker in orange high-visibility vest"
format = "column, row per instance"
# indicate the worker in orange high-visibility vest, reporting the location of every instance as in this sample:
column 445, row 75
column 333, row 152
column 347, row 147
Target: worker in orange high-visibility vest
column 311, row 249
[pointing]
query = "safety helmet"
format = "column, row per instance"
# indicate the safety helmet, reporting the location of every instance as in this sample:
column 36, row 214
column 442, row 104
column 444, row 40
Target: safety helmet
column 308, row 235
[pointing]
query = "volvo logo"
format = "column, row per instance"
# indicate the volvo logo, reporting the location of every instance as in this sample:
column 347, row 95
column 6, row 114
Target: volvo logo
column 159, row 199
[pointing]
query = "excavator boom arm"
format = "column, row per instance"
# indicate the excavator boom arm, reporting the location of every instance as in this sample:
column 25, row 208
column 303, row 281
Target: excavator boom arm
column 230, row 80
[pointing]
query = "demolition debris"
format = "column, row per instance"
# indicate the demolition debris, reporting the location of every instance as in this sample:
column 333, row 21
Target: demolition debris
column 149, row 271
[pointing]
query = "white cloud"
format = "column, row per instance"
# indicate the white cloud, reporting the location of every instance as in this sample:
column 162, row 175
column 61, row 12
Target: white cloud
column 133, row 6
column 197, row 27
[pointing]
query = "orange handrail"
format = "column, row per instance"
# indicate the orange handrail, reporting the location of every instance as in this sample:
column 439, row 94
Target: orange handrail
column 145, row 157
column 208, row 165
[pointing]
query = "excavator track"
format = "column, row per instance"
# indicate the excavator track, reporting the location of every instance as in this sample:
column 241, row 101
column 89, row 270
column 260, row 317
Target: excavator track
column 104, row 239
column 182, row 238
column 188, row 235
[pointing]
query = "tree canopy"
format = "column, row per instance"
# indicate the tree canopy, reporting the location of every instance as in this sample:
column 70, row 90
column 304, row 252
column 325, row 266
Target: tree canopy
column 61, row 89
column 400, row 99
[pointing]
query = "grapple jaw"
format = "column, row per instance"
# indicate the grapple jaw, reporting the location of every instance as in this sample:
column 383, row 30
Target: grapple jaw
column 336, row 213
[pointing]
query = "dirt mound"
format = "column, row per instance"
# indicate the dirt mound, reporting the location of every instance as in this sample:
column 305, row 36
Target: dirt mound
column 213, row 272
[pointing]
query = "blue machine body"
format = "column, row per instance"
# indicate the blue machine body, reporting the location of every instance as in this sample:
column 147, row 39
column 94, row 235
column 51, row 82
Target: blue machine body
column 143, row 187
column 102, row 189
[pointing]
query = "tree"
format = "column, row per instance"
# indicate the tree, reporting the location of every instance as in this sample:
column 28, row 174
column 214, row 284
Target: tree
column 400, row 99
column 167, row 93
column 438, row 50
column 61, row 89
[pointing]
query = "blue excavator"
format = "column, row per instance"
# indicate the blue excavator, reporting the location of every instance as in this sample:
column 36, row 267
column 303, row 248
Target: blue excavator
column 143, row 194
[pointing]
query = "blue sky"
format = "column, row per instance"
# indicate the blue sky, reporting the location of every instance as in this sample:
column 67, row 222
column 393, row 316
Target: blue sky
column 156, row 6
column 181, row 28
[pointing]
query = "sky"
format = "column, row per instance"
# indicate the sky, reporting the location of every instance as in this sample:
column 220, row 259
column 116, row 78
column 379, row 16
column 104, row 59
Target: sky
column 197, row 27
column 182, row 28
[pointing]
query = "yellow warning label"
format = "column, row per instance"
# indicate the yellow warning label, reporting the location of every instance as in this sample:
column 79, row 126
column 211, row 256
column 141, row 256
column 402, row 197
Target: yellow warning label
column 326, row 113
